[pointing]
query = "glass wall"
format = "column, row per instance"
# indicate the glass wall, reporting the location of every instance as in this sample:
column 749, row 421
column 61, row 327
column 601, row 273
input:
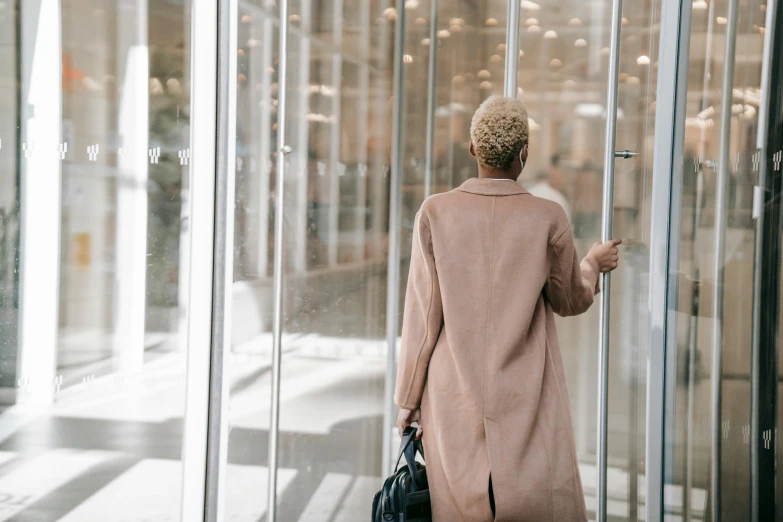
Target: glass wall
column 724, row 388
column 99, row 258
column 93, row 211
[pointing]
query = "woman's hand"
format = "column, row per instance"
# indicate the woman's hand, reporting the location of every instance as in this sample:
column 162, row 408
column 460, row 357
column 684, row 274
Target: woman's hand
column 407, row 417
column 605, row 255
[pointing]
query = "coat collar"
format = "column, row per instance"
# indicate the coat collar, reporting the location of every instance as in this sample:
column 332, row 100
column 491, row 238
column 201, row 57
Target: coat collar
column 491, row 187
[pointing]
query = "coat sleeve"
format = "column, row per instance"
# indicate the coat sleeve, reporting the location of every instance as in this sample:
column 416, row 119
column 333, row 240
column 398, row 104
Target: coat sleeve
column 422, row 321
column 570, row 285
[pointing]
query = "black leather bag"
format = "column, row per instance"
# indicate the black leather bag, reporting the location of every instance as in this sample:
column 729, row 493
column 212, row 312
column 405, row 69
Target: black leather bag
column 405, row 496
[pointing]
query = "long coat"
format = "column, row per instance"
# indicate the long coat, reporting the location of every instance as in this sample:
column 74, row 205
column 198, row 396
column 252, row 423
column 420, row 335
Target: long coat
column 490, row 264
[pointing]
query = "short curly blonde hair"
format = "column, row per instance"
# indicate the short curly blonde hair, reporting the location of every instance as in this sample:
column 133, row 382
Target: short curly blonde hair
column 498, row 131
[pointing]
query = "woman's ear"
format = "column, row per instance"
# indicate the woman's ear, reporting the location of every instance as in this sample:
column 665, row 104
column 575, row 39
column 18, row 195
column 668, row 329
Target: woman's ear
column 472, row 149
column 523, row 156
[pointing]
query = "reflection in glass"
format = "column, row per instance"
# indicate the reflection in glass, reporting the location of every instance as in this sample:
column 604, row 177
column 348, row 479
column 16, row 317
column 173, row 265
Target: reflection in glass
column 92, row 245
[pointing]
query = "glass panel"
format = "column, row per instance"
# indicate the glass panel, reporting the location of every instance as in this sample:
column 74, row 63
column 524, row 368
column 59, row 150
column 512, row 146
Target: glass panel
column 563, row 80
column 721, row 149
column 335, row 233
column 94, row 172
column 248, row 363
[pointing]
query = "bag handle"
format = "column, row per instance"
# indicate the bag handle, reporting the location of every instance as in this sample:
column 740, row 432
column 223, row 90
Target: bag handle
column 408, row 448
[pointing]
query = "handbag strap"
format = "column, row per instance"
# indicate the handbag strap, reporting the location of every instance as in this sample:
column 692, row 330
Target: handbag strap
column 408, row 448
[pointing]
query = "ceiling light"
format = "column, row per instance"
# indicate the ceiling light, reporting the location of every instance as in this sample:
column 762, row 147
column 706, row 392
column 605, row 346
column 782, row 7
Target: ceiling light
column 491, row 22
column 643, row 60
column 534, row 29
column 455, row 28
column 550, row 35
column 253, row 42
column 589, row 110
column 484, row 74
column 457, row 21
column 761, row 30
column 625, row 21
column 555, row 63
column 420, row 21
column 411, row 4
column 444, row 33
column 240, row 52
column 527, row 4
column 294, row 18
column 623, row 77
column 521, row 53
column 485, row 85
column 699, row 5
column 722, row 21
column 532, row 21
column 575, row 21
column 495, row 58
column 390, row 14
column 763, row 7
column 501, row 48
column 580, row 43
column 520, row 91
column 633, row 80
column 425, row 42
column 246, row 19
column 407, row 58
column 570, row 83
column 605, row 51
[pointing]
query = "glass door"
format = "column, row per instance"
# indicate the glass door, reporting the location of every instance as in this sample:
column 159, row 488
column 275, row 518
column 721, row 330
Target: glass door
column 724, row 270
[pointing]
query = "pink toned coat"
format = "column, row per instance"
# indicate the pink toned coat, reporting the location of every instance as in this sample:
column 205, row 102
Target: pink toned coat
column 490, row 265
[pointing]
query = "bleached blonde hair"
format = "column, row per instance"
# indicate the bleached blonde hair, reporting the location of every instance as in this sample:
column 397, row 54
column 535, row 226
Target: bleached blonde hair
column 499, row 130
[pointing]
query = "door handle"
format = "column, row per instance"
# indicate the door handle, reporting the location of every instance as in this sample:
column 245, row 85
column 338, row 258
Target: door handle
column 625, row 154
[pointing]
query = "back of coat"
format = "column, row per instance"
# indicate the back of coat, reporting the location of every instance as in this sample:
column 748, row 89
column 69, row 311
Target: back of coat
column 490, row 264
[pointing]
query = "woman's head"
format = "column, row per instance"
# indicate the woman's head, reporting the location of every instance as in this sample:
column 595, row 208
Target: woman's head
column 499, row 133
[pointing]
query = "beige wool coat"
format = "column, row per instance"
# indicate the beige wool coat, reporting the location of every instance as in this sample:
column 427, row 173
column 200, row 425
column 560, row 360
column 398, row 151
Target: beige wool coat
column 490, row 265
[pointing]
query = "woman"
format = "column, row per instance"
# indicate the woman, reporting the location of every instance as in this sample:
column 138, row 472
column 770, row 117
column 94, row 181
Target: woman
column 480, row 368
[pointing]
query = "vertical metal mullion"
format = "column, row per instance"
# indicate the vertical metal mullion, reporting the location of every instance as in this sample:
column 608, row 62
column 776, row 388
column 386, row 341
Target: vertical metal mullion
column 217, row 435
column 664, row 236
column 511, row 80
column 277, row 324
column 720, row 257
column 203, row 128
column 393, row 281
column 759, row 197
column 606, row 235
column 429, row 160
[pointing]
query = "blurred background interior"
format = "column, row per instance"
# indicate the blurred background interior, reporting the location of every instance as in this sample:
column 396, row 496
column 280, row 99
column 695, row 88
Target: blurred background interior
column 101, row 408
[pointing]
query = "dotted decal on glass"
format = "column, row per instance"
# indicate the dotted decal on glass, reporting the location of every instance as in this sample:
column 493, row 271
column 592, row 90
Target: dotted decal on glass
column 777, row 158
column 154, row 154
column 184, row 158
column 385, row 170
column 746, row 434
column 736, row 162
column 725, row 429
column 63, row 150
column 58, row 383
column 362, row 170
column 321, row 166
column 28, row 150
column 767, row 438
column 756, row 159
column 341, row 168
column 24, row 383
column 240, row 163
column 93, row 151
column 122, row 152
column 696, row 164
